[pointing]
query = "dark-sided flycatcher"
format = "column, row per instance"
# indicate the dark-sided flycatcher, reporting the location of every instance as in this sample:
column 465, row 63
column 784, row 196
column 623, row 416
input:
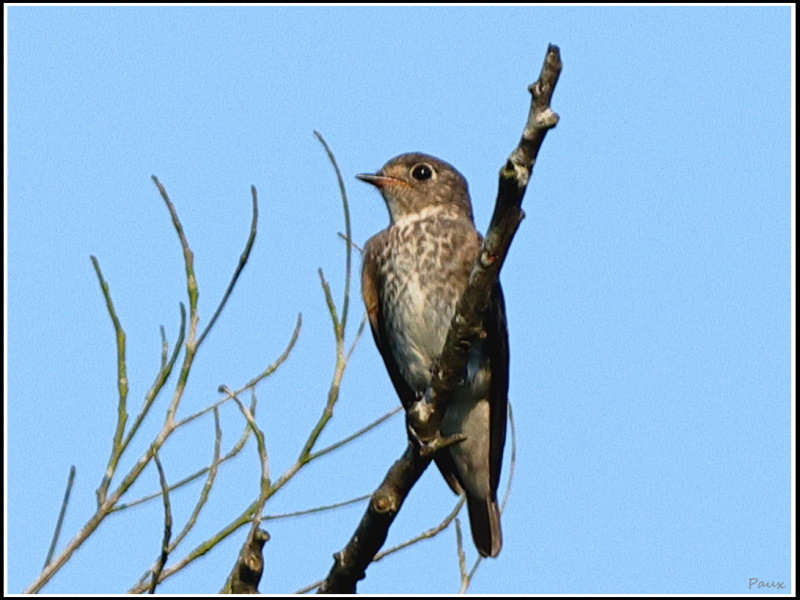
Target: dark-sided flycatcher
column 413, row 276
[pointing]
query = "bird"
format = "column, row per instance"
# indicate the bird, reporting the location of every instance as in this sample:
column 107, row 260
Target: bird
column 413, row 274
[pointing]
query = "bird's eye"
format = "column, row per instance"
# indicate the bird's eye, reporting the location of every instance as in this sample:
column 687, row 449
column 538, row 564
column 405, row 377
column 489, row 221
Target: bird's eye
column 422, row 172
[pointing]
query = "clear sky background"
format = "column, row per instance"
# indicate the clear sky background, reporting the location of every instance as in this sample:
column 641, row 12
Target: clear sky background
column 648, row 289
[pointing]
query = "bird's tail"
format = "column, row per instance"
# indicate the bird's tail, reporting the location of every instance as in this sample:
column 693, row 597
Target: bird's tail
column 484, row 520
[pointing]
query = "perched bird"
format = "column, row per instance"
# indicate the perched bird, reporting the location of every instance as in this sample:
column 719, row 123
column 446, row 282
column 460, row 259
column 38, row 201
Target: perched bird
column 413, row 275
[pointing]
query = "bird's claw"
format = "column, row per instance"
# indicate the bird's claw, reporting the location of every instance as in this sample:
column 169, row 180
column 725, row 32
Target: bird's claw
column 429, row 447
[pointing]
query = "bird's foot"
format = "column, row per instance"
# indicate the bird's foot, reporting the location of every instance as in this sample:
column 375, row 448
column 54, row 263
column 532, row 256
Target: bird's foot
column 427, row 442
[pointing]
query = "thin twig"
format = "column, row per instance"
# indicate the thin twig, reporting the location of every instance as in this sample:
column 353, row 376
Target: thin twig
column 326, row 289
column 197, row 474
column 109, row 501
column 338, row 373
column 239, row 267
column 339, row 324
column 164, row 347
column 351, row 242
column 193, row 293
column 167, row 523
column 106, row 501
column 512, row 463
column 161, row 379
column 188, row 255
column 207, row 485
column 462, row 559
column 355, row 435
column 61, row 513
column 279, row 361
column 317, row 509
column 122, row 387
column 201, row 549
column 425, row 535
column 357, row 336
column 248, row 414
column 348, row 233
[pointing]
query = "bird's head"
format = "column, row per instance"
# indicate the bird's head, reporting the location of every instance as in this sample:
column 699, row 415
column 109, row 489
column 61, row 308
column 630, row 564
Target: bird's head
column 415, row 183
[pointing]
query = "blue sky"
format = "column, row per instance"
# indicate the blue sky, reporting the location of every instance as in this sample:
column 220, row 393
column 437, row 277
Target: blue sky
column 648, row 289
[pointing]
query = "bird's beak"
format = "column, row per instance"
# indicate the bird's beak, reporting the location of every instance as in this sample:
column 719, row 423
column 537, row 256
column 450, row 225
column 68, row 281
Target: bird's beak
column 379, row 181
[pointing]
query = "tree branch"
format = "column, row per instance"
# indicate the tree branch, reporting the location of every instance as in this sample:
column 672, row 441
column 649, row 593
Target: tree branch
column 350, row 564
column 467, row 325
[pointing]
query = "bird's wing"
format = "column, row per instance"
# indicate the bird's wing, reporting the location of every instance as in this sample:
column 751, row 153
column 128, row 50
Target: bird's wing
column 370, row 281
column 496, row 345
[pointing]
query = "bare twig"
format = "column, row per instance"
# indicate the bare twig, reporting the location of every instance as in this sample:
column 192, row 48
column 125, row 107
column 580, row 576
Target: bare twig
column 205, row 546
column 108, row 500
column 61, row 513
column 317, row 509
column 462, row 559
column 201, row 549
column 160, row 381
column 250, row 564
column 351, row 242
column 165, row 546
column 193, row 293
column 207, row 485
column 425, row 535
column 122, row 386
column 279, row 361
column 339, row 323
column 357, row 336
column 326, row 289
column 512, row 463
column 355, row 435
column 239, row 267
column 164, row 347
column 348, row 234
column 210, row 470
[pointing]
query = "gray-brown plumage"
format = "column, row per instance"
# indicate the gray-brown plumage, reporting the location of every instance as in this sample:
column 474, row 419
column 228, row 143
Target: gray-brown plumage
column 413, row 275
